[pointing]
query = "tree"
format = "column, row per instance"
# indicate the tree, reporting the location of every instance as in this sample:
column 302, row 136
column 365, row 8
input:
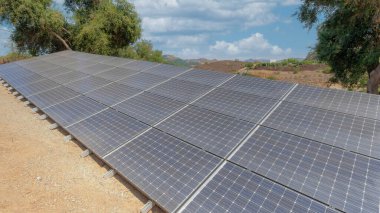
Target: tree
column 142, row 50
column 38, row 28
column 96, row 26
column 348, row 38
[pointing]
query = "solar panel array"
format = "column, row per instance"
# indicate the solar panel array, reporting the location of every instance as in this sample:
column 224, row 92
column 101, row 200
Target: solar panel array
column 202, row 141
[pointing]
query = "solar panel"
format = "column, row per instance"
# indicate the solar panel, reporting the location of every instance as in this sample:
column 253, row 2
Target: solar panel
column 96, row 68
column 139, row 65
column 37, row 87
column 5, row 68
column 25, row 80
column 163, row 167
column 214, row 132
column 69, row 77
column 234, row 189
column 16, row 72
column 106, row 131
column 116, row 74
column 61, row 61
column 114, row 61
column 74, row 110
column 166, row 70
column 53, row 96
column 143, row 80
column 342, row 130
column 344, row 180
column 149, row 108
column 258, row 86
column 87, row 84
column 40, row 66
column 205, row 77
column 55, row 72
column 181, row 90
column 113, row 93
column 355, row 103
column 240, row 105
column 79, row 65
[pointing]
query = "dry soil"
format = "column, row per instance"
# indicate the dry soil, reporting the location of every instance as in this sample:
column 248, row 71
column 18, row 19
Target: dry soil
column 41, row 173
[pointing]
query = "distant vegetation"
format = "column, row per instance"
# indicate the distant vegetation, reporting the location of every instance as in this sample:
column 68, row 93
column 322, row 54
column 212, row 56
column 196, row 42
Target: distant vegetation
column 100, row 27
column 14, row 56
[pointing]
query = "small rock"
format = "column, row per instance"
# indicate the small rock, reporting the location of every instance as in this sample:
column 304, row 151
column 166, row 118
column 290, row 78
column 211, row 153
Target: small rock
column 39, row 178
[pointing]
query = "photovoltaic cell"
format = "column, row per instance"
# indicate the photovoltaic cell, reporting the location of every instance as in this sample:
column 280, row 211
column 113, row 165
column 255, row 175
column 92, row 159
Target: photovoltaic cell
column 16, row 72
column 37, row 87
column 106, row 131
column 205, row 77
column 344, row 180
column 26, row 80
column 116, row 74
column 52, row 97
column 214, row 132
column 61, row 61
column 114, row 61
column 87, row 84
column 149, row 108
column 355, row 103
column 40, row 66
column 240, row 105
column 234, row 189
column 181, row 90
column 96, row 68
column 139, row 65
column 163, row 167
column 55, row 72
column 342, row 130
column 79, row 65
column 143, row 80
column 74, row 110
column 258, row 86
column 113, row 93
column 69, row 77
column 166, row 70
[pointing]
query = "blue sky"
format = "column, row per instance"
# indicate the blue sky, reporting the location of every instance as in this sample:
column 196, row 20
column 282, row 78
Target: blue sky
column 221, row 29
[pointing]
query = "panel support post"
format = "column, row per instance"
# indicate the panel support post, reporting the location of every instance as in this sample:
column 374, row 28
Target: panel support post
column 35, row 109
column 10, row 88
column 2, row 82
column 67, row 138
column 53, row 126
column 15, row 93
column 110, row 173
column 6, row 85
column 147, row 207
column 26, row 103
column 43, row 117
column 85, row 153
column 20, row 97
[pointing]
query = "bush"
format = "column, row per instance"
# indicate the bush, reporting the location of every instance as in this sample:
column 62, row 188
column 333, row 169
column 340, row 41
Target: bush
column 13, row 56
column 249, row 65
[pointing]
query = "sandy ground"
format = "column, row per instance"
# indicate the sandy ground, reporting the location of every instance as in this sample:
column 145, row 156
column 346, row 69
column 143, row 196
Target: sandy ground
column 41, row 173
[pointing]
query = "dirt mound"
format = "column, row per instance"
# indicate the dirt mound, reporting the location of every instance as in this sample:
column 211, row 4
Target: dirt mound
column 222, row 66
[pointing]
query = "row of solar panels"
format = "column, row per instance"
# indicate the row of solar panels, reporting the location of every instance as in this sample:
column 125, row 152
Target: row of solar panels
column 205, row 141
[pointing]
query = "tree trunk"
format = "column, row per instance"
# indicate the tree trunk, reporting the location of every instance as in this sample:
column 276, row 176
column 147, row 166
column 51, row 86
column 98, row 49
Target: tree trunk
column 62, row 40
column 374, row 81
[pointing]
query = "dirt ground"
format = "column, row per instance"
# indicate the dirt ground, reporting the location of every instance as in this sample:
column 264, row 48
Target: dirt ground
column 41, row 173
column 308, row 77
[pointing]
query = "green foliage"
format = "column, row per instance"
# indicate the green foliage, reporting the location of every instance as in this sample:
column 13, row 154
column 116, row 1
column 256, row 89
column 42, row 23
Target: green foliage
column 96, row 26
column 13, row 56
column 38, row 27
column 106, row 28
column 142, row 50
column 348, row 39
column 249, row 65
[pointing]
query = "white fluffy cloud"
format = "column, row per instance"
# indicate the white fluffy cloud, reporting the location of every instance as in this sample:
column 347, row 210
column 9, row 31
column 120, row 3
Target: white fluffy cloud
column 248, row 47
